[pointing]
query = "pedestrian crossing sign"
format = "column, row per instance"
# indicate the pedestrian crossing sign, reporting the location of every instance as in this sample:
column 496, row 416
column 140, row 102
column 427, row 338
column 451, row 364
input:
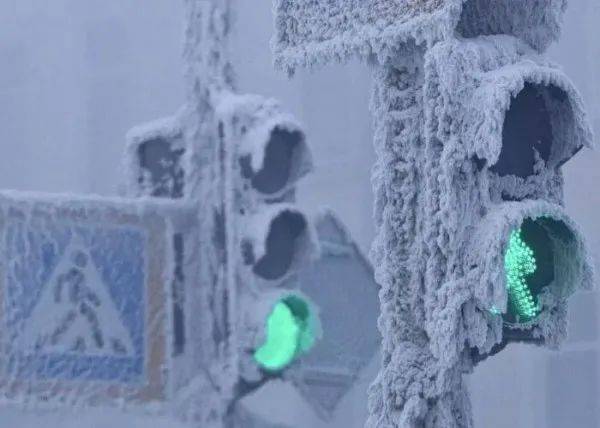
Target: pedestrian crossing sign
column 83, row 296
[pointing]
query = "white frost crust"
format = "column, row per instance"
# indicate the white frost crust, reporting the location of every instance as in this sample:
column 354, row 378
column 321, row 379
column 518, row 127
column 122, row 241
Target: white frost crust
column 536, row 22
column 315, row 32
column 257, row 139
column 484, row 74
column 169, row 128
column 178, row 211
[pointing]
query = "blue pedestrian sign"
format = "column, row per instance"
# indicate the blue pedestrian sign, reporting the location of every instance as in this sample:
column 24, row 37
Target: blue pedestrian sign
column 74, row 313
column 83, row 297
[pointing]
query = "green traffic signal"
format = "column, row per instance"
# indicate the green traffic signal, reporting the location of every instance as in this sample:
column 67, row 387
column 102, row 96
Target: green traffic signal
column 290, row 332
column 520, row 264
column 530, row 267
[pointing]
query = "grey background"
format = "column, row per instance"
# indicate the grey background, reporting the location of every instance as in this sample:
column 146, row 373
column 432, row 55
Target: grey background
column 77, row 74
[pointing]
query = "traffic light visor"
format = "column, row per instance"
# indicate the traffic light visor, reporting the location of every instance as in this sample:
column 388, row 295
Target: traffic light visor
column 525, row 116
column 275, row 156
column 279, row 240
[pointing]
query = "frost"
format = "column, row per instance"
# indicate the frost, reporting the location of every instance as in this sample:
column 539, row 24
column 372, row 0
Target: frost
column 312, row 32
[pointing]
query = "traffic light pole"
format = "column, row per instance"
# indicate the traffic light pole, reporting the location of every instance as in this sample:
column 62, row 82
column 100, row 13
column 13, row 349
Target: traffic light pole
column 411, row 377
column 208, row 75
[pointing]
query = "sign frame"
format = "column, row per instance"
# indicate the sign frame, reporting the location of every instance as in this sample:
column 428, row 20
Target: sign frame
column 151, row 219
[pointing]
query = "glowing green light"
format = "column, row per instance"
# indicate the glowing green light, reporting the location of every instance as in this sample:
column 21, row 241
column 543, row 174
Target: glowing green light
column 519, row 264
column 289, row 333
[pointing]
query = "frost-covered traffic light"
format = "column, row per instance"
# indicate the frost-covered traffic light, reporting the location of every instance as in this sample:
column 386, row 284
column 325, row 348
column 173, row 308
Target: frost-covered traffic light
column 265, row 237
column 154, row 159
column 514, row 122
column 472, row 126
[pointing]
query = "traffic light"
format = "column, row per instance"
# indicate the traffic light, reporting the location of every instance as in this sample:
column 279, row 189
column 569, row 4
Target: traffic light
column 339, row 279
column 154, row 159
column 275, row 280
column 266, row 237
column 296, row 280
column 474, row 249
column 515, row 124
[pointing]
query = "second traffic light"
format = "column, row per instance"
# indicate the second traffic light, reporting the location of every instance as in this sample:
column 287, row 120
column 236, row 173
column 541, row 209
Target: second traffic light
column 263, row 153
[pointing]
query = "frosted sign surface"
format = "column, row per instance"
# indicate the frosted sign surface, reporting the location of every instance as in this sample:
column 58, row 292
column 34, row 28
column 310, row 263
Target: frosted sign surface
column 74, row 301
column 84, row 304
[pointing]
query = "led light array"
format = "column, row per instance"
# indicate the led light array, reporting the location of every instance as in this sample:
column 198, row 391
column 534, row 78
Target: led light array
column 520, row 263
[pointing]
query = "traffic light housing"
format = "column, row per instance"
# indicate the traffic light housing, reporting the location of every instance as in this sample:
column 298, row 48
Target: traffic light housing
column 155, row 157
column 268, row 238
column 513, row 121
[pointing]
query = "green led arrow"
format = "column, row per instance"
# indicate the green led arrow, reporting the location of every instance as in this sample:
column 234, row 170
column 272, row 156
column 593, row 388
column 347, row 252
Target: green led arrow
column 520, row 264
column 289, row 333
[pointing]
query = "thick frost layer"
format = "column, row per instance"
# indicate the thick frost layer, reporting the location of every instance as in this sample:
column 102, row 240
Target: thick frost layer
column 309, row 32
column 204, row 400
column 536, row 22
